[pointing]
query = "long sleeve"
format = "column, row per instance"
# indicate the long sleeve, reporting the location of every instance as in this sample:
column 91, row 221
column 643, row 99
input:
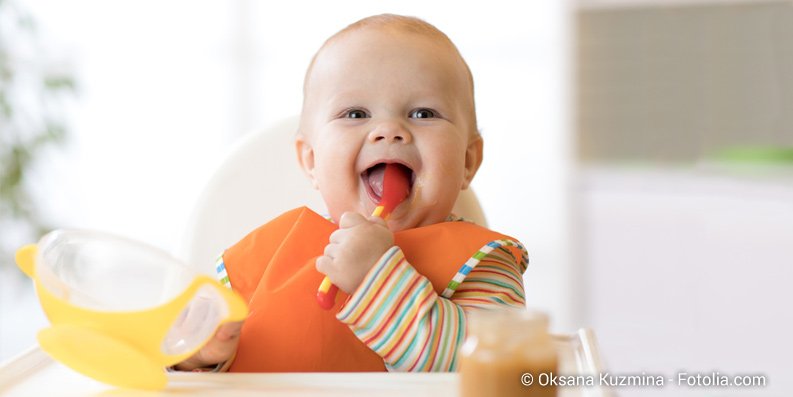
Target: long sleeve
column 398, row 314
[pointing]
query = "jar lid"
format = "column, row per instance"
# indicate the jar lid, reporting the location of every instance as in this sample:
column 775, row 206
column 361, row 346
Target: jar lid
column 501, row 320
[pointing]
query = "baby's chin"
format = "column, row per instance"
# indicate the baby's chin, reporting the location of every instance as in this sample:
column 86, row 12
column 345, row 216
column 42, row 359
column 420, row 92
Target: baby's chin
column 412, row 222
column 398, row 226
column 405, row 216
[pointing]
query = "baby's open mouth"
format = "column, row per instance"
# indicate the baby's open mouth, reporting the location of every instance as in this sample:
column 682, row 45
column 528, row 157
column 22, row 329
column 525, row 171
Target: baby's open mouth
column 373, row 179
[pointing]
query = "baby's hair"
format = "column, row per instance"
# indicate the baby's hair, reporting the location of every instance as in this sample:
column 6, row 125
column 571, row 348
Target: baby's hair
column 399, row 23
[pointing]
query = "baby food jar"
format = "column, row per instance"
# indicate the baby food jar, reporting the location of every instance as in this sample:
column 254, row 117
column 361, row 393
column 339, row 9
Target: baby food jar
column 507, row 352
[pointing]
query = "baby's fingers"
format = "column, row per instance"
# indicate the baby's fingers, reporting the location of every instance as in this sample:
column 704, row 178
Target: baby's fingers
column 324, row 264
column 332, row 250
column 338, row 236
column 377, row 220
column 350, row 219
column 218, row 349
column 229, row 330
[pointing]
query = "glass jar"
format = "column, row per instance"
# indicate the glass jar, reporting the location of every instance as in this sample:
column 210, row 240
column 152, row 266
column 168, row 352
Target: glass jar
column 504, row 354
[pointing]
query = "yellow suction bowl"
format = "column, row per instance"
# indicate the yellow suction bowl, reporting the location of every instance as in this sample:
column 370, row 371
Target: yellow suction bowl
column 101, row 357
column 122, row 311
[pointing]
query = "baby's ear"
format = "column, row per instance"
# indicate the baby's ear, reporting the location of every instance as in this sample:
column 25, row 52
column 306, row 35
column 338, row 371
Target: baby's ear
column 305, row 157
column 473, row 159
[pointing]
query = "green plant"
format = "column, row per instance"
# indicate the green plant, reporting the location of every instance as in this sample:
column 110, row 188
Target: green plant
column 32, row 94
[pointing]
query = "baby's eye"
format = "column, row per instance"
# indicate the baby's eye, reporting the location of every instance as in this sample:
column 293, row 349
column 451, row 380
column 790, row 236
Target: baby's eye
column 422, row 113
column 355, row 114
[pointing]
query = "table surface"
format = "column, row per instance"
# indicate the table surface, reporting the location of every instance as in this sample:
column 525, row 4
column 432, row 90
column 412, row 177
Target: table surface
column 34, row 373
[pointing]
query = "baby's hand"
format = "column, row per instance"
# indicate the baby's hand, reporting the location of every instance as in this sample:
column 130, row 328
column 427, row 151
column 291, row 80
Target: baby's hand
column 219, row 349
column 354, row 249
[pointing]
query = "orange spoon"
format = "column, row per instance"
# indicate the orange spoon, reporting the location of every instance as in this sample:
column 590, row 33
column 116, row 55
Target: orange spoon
column 396, row 188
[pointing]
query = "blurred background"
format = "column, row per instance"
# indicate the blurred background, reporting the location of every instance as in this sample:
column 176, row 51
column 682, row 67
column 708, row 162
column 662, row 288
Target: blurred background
column 642, row 150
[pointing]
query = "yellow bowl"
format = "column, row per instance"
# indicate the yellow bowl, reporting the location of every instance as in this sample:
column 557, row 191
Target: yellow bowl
column 120, row 310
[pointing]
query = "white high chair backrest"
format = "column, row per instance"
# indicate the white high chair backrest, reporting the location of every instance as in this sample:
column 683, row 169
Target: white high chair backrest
column 258, row 180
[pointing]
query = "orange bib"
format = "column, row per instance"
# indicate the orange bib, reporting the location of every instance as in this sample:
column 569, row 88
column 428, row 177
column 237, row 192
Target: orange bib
column 273, row 269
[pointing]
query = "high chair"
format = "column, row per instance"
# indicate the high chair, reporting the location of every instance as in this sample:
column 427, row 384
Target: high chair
column 259, row 179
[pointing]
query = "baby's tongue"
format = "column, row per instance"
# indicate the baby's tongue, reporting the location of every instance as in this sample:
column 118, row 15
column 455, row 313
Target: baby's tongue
column 390, row 183
column 376, row 176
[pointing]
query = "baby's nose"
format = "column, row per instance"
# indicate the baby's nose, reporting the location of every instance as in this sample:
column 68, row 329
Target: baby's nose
column 391, row 132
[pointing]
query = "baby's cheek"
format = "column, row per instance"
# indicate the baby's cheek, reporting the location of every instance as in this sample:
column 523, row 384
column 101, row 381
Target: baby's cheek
column 339, row 194
column 333, row 204
column 436, row 204
column 426, row 193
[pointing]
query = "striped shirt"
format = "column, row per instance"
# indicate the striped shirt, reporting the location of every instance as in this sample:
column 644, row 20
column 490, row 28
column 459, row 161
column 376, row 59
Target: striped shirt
column 397, row 313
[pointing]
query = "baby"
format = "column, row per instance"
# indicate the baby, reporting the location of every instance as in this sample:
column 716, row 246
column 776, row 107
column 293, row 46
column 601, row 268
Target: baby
column 385, row 90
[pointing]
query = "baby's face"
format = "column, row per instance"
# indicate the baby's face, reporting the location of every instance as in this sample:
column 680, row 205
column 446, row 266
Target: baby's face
column 377, row 97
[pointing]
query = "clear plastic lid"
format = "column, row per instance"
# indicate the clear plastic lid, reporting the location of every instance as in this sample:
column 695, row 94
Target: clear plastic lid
column 99, row 271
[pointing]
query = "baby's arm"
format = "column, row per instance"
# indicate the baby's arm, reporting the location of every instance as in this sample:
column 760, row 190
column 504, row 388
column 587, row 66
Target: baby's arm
column 415, row 329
